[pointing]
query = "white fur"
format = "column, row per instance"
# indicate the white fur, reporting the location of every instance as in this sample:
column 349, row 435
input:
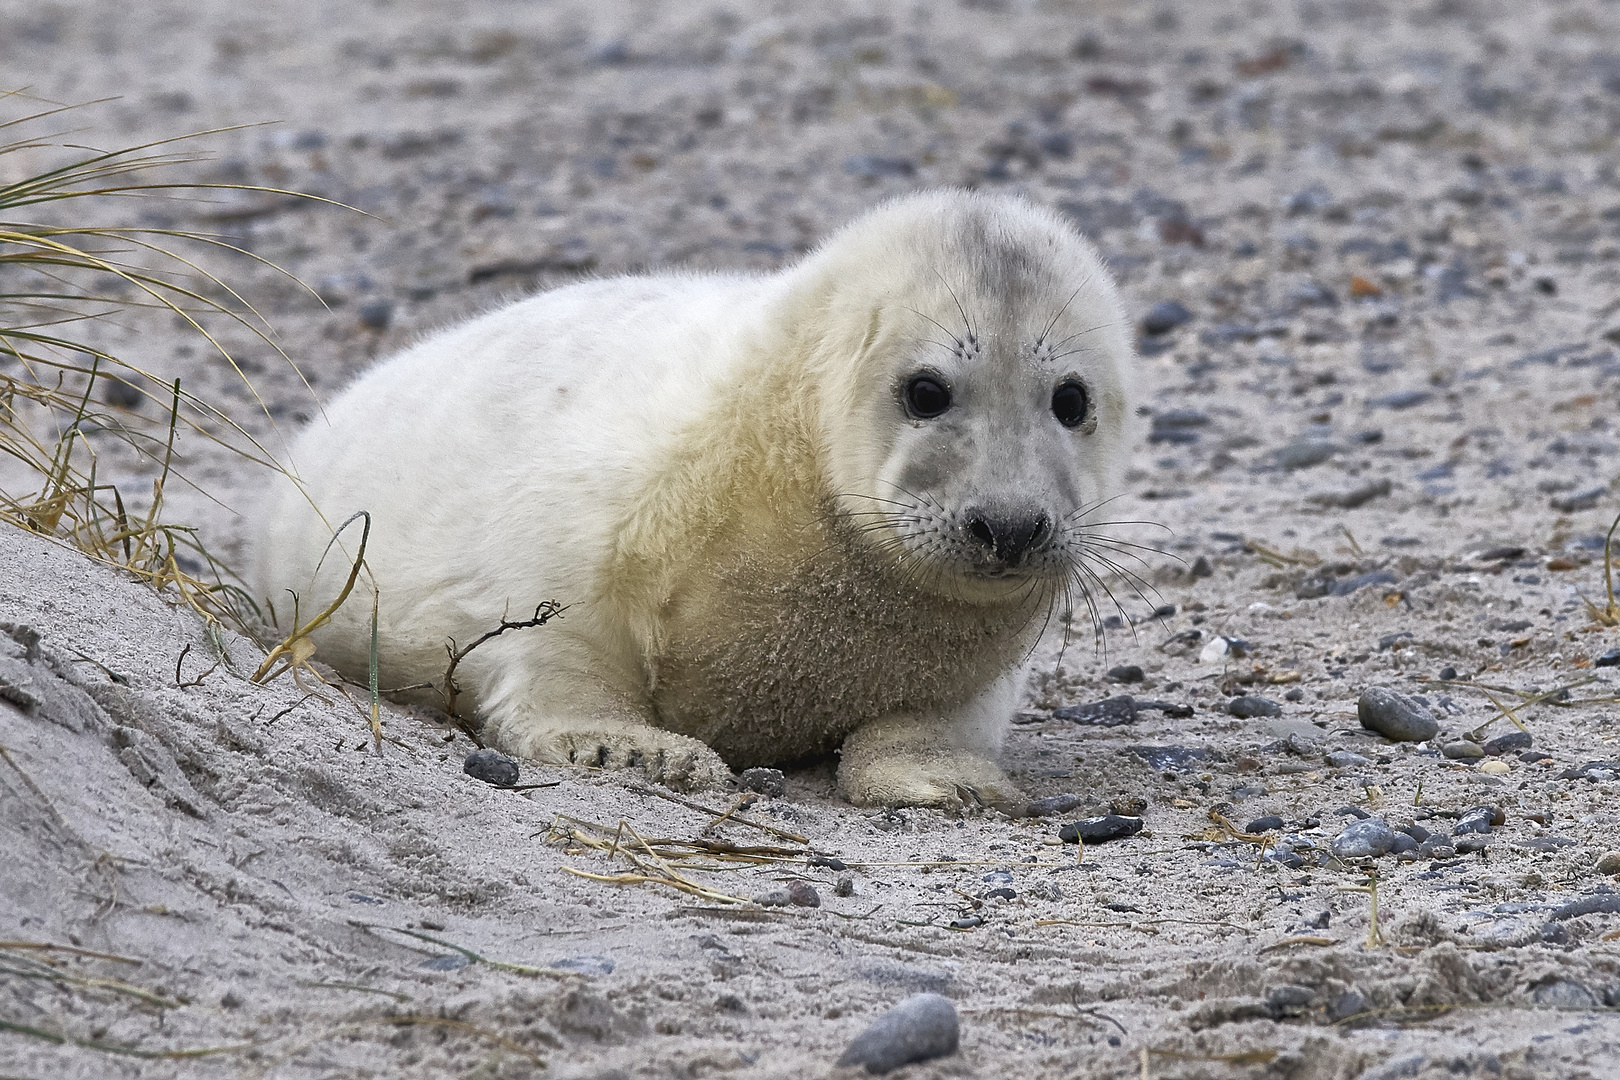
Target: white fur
column 688, row 462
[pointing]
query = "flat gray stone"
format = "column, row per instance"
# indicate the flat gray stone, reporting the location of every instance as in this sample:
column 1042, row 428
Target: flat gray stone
column 1396, row 716
column 920, row 1028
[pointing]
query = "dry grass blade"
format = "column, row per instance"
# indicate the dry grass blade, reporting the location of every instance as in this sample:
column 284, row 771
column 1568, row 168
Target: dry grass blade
column 650, row 865
column 60, row 278
column 1609, row 613
column 296, row 649
column 517, row 969
column 122, row 1051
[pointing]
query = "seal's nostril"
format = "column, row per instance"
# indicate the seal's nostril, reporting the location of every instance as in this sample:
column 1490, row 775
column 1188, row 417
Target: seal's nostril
column 981, row 531
column 1037, row 534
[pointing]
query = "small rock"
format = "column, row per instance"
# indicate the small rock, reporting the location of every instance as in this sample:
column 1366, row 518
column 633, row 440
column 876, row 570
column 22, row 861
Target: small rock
column 1448, row 673
column 1608, row 659
column 1364, row 839
column 1512, row 740
column 1416, row 832
column 1347, row 759
column 1201, row 568
column 1402, row 844
column 1554, row 934
column 1052, row 804
column 803, row 894
column 1598, row 904
column 1289, row 1000
column 1585, row 500
column 1436, row 847
column 1348, row 1004
column 1494, row 767
column 1305, row 453
column 1292, row 730
column 1404, row 399
column 1111, row 712
column 1164, row 317
column 1250, row 706
column 774, row 898
column 1361, row 581
column 1352, row 811
column 492, row 767
column 1597, row 772
column 1463, row 750
column 1396, row 716
column 1564, row 994
column 1296, row 694
column 1002, row 893
column 828, row 861
column 1472, row 845
column 767, row 782
column 376, row 314
column 1478, row 820
column 1609, row 863
column 1096, row 830
column 1263, row 824
column 920, row 1028
column 845, row 886
column 586, row 965
column 1127, row 673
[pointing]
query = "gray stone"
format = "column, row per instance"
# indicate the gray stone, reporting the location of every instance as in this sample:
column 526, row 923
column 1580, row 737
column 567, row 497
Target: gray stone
column 1164, row 317
column 1463, row 750
column 1285, row 728
column 1347, row 759
column 1396, row 716
column 1304, row 454
column 920, row 1028
column 1263, row 824
column 1472, row 844
column 492, row 767
column 1095, row 830
column 774, row 898
column 803, row 894
column 1477, row 820
column 586, row 965
column 1564, row 994
column 1364, row 839
column 1403, row 844
column 1508, row 741
column 845, row 886
column 1250, row 706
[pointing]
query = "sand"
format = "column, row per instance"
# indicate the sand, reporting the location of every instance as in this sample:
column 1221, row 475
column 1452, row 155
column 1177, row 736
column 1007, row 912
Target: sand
column 1401, row 219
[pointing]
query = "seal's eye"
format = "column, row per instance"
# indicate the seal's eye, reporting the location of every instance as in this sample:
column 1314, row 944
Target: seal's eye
column 926, row 397
column 1069, row 403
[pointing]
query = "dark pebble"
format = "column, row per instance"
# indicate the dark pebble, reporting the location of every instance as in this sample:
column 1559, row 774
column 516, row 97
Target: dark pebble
column 1164, row 317
column 1416, row 832
column 827, row 861
column 1396, row 716
column 1608, row 659
column 492, row 767
column 920, row 1028
column 774, row 898
column 1363, row 839
column 1098, row 829
column 1585, row 500
column 1436, row 847
column 1263, row 824
column 1403, row 844
column 803, row 894
column 845, row 886
column 1405, row 399
column 1052, row 804
column 1348, row 1004
column 1361, row 581
column 1171, row 757
column 1477, row 820
column 1553, row 934
column 1296, row 694
column 1512, row 740
column 1352, row 811
column 1596, row 771
column 1472, row 844
column 766, row 782
column 1003, row 893
column 1304, row 454
column 1448, row 673
column 376, row 314
column 1127, row 673
column 1250, row 706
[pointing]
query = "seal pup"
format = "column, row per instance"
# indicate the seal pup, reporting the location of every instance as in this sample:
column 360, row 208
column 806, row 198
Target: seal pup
column 830, row 508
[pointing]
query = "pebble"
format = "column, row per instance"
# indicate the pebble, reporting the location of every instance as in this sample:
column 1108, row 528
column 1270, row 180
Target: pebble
column 1595, row 771
column 376, row 314
column 828, row 861
column 1347, row 759
column 1361, row 581
column 1463, row 750
column 1608, row 659
column 1362, row 839
column 1127, row 673
column 1096, row 830
column 803, row 894
column 1512, row 740
column 1472, row 845
column 1609, row 863
column 1287, row 728
column 1263, row 824
column 1396, row 716
column 1305, row 453
column 920, row 1028
column 1250, row 706
column 1416, row 832
column 492, row 767
column 1402, row 844
column 1598, row 904
column 845, row 886
column 774, row 898
column 1478, row 820
column 767, row 782
column 1052, row 804
column 1495, row 767
column 1296, row 694
column 1436, row 847
column 1564, row 994
column 1352, row 811
column 1164, row 317
column 1448, row 673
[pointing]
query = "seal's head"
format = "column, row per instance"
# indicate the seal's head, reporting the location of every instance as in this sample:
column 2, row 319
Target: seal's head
column 979, row 363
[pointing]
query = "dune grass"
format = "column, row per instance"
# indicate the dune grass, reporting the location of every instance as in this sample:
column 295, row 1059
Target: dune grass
column 64, row 269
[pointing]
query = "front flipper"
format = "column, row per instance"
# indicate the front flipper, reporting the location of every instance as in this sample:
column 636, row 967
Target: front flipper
column 909, row 763
column 676, row 760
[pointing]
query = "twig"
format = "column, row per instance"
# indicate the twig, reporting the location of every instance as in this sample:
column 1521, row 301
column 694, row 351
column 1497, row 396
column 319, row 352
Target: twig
column 700, row 808
column 1301, row 939
column 517, row 969
column 292, row 646
column 198, row 681
column 543, row 613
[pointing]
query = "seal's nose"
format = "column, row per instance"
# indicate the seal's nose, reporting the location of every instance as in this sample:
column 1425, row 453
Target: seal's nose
column 1009, row 537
